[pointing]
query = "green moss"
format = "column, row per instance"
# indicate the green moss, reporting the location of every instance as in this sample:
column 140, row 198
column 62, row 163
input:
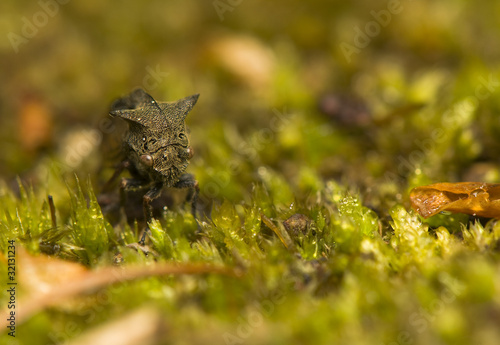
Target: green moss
column 89, row 230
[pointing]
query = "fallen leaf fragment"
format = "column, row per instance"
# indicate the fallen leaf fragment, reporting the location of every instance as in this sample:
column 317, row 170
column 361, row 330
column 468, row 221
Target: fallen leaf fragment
column 41, row 274
column 474, row 198
column 49, row 281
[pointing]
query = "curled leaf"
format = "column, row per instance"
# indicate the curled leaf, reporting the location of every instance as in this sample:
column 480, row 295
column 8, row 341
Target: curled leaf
column 474, row 198
column 50, row 281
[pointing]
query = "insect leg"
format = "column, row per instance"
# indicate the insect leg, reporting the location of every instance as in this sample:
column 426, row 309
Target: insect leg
column 148, row 198
column 119, row 169
column 127, row 184
column 188, row 181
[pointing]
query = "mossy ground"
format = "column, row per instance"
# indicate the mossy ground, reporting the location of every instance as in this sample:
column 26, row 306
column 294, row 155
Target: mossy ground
column 362, row 267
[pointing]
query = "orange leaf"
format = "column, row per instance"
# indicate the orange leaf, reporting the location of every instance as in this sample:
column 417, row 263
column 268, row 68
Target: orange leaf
column 474, row 198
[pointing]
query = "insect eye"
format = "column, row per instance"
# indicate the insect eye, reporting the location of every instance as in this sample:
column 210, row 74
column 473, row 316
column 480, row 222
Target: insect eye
column 146, row 160
column 183, row 139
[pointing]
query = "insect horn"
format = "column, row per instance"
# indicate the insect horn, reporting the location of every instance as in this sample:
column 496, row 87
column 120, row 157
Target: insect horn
column 187, row 103
column 127, row 107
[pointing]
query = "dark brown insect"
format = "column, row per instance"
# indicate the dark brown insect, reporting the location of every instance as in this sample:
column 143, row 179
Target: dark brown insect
column 474, row 198
column 156, row 147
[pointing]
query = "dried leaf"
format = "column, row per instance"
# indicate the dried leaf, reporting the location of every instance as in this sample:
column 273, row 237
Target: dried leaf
column 51, row 281
column 42, row 274
column 474, row 198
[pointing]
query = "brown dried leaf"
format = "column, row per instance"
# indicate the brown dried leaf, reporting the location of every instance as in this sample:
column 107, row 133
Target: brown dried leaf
column 41, row 274
column 474, row 198
column 50, row 281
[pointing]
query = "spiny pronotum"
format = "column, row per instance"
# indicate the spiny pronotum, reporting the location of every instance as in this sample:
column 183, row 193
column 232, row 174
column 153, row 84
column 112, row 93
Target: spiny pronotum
column 156, row 147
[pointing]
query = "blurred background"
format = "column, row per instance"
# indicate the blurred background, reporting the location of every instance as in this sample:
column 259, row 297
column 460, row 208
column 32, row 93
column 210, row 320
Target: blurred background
column 365, row 83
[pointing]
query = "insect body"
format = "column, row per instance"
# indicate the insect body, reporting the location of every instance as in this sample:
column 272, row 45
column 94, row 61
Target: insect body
column 156, row 147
